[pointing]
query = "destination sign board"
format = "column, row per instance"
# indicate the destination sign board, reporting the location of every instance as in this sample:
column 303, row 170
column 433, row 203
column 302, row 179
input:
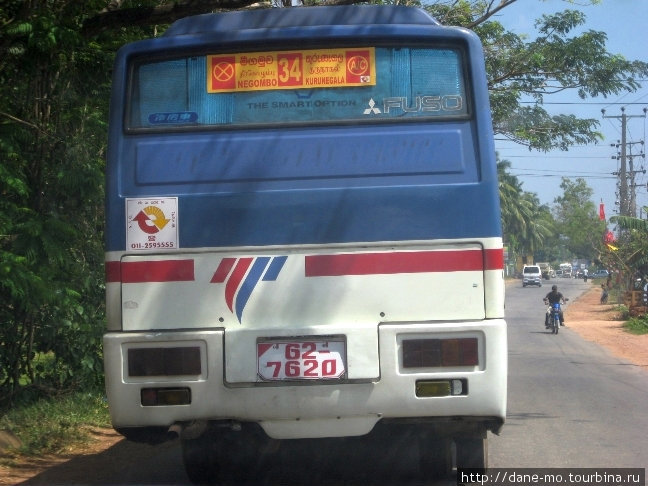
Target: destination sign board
column 319, row 68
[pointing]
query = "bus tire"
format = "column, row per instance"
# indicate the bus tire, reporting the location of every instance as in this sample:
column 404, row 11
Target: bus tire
column 435, row 456
column 472, row 452
column 200, row 461
column 224, row 455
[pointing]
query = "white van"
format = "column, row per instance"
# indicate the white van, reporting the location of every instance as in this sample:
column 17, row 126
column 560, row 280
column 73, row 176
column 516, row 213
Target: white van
column 531, row 275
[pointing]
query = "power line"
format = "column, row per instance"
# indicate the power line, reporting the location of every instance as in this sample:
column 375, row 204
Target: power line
column 559, row 175
column 584, row 103
column 561, row 171
column 558, row 157
column 534, row 172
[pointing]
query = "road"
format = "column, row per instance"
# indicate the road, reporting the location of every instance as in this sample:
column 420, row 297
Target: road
column 570, row 404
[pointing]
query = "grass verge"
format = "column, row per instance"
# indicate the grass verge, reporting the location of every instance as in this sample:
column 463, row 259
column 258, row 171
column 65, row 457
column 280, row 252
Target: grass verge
column 51, row 426
column 637, row 325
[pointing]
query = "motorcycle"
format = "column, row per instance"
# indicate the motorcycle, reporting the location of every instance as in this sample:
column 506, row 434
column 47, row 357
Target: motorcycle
column 552, row 317
column 554, row 321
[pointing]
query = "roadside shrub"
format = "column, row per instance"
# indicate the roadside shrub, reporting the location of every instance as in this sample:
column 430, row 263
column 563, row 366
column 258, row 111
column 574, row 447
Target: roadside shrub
column 637, row 325
column 52, row 425
column 624, row 312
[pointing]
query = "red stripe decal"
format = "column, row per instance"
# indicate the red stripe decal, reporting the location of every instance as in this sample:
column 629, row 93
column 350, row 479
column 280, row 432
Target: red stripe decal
column 402, row 262
column 223, row 270
column 154, row 271
column 494, row 259
column 113, row 272
column 233, row 283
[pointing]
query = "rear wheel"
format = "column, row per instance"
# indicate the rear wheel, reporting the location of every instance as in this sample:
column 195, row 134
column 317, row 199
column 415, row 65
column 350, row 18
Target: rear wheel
column 223, row 455
column 435, row 456
column 200, row 460
column 472, row 452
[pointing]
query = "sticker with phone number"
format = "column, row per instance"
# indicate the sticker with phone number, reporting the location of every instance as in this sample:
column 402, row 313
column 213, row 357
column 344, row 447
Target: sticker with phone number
column 301, row 360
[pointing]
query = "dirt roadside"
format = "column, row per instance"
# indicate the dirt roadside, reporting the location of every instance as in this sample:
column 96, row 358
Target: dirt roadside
column 600, row 324
column 586, row 316
column 25, row 468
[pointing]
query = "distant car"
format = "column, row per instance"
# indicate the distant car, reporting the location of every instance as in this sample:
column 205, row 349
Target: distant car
column 600, row 274
column 531, row 275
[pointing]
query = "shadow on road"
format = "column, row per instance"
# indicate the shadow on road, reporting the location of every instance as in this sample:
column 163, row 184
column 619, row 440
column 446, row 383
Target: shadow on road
column 299, row 464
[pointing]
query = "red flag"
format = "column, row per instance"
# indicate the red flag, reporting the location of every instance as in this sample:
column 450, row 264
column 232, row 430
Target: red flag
column 602, row 212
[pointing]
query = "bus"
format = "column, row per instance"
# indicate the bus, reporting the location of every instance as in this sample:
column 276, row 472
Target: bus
column 303, row 238
column 566, row 270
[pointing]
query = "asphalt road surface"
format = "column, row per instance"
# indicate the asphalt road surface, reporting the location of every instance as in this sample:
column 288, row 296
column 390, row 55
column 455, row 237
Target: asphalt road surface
column 570, row 402
column 570, row 405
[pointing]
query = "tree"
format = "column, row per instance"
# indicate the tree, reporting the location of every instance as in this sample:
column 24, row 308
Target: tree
column 53, row 107
column 577, row 219
column 526, row 224
column 629, row 254
column 551, row 63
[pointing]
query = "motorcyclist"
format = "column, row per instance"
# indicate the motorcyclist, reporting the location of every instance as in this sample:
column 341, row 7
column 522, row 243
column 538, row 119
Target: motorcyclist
column 552, row 298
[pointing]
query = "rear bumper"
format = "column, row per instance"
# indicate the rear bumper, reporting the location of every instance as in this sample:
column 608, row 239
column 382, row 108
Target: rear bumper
column 302, row 410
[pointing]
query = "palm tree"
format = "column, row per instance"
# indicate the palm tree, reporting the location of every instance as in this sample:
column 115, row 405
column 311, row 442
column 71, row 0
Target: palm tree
column 526, row 224
column 540, row 224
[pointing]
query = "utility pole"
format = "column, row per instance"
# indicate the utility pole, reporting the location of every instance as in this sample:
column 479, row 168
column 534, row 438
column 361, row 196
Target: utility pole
column 626, row 203
column 630, row 174
column 633, row 184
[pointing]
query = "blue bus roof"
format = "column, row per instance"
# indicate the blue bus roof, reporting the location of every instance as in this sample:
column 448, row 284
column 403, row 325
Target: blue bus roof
column 280, row 18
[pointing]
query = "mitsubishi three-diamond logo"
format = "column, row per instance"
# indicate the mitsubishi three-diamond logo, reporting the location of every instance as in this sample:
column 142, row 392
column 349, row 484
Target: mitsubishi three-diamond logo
column 372, row 110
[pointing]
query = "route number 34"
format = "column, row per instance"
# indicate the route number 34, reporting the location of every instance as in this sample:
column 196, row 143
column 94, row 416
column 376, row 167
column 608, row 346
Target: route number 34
column 290, row 69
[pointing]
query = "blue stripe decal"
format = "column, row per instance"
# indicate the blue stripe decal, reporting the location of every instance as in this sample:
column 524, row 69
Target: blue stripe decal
column 253, row 277
column 275, row 267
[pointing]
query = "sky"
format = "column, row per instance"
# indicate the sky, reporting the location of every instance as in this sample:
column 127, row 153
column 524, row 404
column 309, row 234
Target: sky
column 624, row 22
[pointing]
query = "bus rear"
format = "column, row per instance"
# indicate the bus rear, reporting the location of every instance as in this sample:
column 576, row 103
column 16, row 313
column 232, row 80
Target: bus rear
column 303, row 235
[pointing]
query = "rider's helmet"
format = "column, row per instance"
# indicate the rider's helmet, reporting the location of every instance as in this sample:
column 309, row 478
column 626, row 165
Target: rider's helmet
column 554, row 287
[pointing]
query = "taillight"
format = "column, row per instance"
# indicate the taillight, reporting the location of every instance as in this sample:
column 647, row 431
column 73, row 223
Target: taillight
column 176, row 361
column 435, row 353
column 154, row 397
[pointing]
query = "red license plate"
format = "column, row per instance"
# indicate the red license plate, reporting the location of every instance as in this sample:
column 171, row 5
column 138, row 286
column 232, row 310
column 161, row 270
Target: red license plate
column 301, row 360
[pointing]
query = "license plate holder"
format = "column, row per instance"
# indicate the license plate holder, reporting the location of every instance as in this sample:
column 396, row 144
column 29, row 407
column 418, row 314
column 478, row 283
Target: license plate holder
column 300, row 359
